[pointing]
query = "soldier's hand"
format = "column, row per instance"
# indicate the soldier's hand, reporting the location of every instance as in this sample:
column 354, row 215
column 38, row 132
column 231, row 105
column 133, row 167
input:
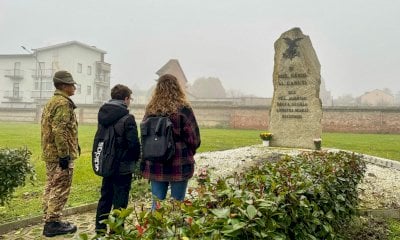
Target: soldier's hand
column 63, row 162
column 79, row 150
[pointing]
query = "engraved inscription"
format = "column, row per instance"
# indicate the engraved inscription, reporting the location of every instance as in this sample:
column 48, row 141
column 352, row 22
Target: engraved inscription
column 292, row 103
column 292, row 82
column 298, row 75
column 291, row 116
column 287, row 80
column 293, row 75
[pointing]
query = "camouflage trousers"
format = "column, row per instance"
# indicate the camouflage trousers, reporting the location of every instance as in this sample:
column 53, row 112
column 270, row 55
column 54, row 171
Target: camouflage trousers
column 57, row 189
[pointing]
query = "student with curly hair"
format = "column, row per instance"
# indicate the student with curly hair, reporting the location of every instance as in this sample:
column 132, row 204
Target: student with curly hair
column 169, row 99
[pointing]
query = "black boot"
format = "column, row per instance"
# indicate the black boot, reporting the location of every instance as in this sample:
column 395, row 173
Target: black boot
column 52, row 229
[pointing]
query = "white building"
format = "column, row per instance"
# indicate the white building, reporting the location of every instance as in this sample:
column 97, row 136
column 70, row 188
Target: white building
column 376, row 98
column 27, row 79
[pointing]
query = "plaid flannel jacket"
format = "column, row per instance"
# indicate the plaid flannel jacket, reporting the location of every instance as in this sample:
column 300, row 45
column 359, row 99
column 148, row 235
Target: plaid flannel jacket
column 187, row 140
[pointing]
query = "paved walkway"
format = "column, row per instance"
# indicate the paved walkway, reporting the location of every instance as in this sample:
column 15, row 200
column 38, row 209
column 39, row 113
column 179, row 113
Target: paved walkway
column 84, row 221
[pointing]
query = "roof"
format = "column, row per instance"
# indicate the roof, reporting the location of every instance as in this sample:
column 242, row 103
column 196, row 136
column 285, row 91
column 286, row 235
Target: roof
column 16, row 55
column 172, row 64
column 377, row 91
column 70, row 43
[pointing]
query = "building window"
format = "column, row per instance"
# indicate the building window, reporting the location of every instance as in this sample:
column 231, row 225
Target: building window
column 78, row 88
column 89, row 70
column 17, row 65
column 89, row 90
column 16, row 89
column 79, row 68
column 54, row 66
column 42, row 66
column 47, row 85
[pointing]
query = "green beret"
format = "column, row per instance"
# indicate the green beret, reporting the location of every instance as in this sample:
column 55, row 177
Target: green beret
column 63, row 77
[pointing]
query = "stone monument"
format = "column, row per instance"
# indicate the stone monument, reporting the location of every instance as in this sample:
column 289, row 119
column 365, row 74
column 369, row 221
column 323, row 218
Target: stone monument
column 296, row 109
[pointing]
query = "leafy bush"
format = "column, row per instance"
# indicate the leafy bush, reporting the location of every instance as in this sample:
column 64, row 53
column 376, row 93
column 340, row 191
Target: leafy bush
column 14, row 168
column 309, row 196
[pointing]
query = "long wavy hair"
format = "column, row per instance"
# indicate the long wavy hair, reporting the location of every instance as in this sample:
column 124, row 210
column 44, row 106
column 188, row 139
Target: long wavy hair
column 168, row 97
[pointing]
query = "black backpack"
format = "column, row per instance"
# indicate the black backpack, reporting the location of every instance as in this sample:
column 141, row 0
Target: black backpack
column 157, row 139
column 104, row 154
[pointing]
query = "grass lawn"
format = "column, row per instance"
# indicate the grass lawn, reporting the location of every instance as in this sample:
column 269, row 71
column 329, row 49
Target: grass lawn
column 86, row 185
column 27, row 202
column 380, row 145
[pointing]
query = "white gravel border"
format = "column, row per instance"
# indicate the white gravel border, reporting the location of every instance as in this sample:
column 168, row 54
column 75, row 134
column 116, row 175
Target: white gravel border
column 379, row 189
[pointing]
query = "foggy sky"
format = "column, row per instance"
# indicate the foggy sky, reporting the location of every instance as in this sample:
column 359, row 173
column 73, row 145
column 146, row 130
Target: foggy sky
column 356, row 40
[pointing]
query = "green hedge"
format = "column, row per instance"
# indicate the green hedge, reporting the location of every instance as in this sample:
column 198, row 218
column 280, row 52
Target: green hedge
column 14, row 168
column 304, row 197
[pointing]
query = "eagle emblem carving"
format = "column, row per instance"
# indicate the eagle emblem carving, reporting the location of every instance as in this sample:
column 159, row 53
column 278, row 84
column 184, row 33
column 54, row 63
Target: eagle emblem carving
column 291, row 51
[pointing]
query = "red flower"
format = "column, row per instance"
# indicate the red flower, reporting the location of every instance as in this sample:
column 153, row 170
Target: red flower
column 189, row 220
column 140, row 229
column 187, row 202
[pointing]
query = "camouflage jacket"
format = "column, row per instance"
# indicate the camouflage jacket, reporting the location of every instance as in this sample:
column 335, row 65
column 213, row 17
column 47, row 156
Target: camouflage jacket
column 59, row 128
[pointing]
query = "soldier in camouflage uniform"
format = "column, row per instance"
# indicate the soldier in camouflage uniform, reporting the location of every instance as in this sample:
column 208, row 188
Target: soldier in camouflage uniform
column 60, row 148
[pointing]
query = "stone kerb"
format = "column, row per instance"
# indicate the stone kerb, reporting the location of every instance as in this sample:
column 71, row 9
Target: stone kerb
column 296, row 110
column 383, row 162
column 7, row 227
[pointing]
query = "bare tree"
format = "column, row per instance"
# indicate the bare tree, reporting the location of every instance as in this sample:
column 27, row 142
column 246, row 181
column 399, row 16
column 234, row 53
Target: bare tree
column 345, row 100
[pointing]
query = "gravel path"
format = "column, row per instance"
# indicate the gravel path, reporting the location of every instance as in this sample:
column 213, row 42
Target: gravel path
column 379, row 189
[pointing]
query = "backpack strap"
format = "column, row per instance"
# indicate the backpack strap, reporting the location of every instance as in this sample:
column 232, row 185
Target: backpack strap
column 117, row 128
column 158, row 126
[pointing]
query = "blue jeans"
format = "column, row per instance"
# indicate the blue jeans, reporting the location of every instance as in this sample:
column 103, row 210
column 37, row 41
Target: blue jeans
column 159, row 191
